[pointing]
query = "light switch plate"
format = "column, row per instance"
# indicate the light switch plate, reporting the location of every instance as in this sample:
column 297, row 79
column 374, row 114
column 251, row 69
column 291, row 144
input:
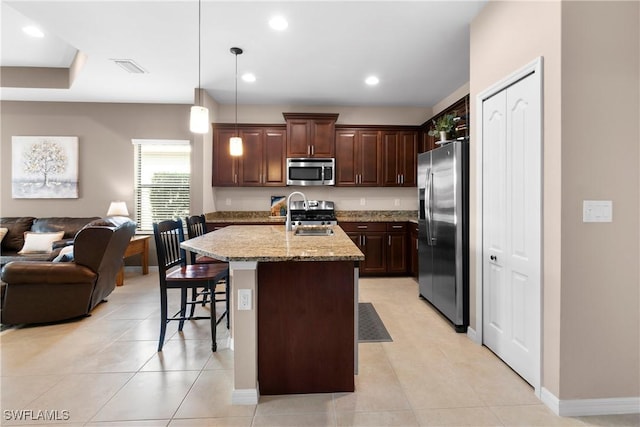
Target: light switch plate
column 244, row 299
column 597, row 211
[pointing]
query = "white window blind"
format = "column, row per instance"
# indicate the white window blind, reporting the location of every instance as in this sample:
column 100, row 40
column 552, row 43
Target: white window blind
column 162, row 174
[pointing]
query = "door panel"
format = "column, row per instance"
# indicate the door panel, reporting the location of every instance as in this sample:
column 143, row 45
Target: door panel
column 495, row 317
column 369, row 158
column 253, row 147
column 274, row 173
column 494, row 217
column 512, row 226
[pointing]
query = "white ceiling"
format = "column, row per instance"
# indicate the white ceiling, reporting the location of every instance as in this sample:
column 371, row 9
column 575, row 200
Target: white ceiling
column 418, row 49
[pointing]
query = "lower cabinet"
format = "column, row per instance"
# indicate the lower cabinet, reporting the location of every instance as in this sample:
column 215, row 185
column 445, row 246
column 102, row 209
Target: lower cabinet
column 413, row 249
column 389, row 248
column 397, row 244
column 384, row 245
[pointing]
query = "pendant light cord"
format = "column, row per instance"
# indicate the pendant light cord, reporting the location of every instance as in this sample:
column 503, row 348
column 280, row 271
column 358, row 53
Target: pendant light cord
column 199, row 49
column 236, row 54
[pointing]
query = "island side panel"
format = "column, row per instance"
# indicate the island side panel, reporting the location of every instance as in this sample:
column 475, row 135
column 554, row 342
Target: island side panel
column 306, row 327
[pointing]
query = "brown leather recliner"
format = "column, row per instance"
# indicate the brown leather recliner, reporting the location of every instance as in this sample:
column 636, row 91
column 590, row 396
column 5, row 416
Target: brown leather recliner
column 40, row 292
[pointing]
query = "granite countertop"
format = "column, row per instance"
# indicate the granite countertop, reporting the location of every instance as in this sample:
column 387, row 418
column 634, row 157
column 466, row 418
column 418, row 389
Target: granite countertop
column 271, row 243
column 345, row 216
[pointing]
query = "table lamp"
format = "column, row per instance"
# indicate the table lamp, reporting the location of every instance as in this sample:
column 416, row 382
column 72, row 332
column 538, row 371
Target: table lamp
column 118, row 209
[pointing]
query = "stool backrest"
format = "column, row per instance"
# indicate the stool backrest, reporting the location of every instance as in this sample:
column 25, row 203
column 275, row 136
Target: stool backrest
column 196, row 226
column 168, row 236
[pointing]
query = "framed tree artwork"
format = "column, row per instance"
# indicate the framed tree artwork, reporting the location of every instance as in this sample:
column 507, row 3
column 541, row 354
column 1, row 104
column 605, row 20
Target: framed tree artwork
column 44, row 167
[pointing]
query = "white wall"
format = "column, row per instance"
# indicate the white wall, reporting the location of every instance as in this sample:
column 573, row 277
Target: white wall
column 591, row 292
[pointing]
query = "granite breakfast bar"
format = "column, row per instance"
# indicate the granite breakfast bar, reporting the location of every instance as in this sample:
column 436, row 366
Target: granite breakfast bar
column 293, row 308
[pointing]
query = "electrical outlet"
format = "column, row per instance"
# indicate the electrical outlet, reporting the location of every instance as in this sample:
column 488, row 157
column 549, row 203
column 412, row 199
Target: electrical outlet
column 396, row 202
column 228, row 201
column 362, row 201
column 244, row 299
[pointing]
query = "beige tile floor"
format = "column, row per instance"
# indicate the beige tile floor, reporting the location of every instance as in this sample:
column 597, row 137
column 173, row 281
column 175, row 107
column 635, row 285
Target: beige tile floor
column 104, row 371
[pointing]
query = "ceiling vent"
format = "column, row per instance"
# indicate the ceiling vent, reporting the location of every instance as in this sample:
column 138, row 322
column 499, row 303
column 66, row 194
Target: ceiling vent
column 130, row 66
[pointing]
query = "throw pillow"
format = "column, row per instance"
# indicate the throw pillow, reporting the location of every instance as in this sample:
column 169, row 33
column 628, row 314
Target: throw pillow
column 39, row 242
column 65, row 255
column 3, row 232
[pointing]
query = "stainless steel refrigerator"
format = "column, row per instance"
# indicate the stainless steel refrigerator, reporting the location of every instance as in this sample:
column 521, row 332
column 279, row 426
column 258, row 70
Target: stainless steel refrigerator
column 443, row 242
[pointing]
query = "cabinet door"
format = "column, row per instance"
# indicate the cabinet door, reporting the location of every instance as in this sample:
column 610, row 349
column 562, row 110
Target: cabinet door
column 399, row 154
column 408, row 158
column 346, row 160
column 225, row 167
column 369, row 158
column 375, row 255
column 413, row 250
column 322, row 138
column 252, row 157
column 390, row 173
column 275, row 143
column 298, row 144
column 397, row 254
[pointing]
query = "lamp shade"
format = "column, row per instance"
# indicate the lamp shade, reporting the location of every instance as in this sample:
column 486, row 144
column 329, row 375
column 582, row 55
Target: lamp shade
column 235, row 146
column 118, row 209
column 199, row 121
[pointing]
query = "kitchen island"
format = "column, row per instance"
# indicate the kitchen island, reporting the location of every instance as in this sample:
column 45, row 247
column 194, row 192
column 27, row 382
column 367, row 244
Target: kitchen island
column 293, row 308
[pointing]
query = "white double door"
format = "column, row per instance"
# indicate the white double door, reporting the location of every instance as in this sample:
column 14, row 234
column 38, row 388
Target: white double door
column 511, row 212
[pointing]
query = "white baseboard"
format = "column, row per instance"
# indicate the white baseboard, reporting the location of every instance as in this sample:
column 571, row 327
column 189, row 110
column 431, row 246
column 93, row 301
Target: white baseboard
column 472, row 335
column 247, row 396
column 584, row 407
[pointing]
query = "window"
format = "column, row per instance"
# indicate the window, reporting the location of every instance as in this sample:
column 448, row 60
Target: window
column 162, row 174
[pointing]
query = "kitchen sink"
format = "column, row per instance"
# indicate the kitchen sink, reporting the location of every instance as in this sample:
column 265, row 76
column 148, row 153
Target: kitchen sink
column 313, row 232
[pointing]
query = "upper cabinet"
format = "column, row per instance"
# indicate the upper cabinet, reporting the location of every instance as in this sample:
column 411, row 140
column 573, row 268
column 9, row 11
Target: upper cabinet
column 460, row 112
column 262, row 161
column 357, row 157
column 310, row 135
column 399, row 157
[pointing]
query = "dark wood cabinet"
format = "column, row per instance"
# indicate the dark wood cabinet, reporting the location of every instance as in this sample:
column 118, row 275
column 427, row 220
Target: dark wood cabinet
column 460, row 111
column 397, row 253
column 413, row 250
column 357, row 157
column 370, row 239
column 273, row 167
column 262, row 161
column 310, row 135
column 399, row 158
column 385, row 246
column 366, row 155
column 226, row 168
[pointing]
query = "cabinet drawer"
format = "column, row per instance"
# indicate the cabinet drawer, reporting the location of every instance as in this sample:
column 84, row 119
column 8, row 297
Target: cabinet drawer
column 363, row 226
column 397, row 226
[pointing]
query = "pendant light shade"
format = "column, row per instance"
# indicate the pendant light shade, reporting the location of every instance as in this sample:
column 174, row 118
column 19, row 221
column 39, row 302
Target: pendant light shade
column 199, row 118
column 235, row 146
column 199, row 121
column 235, row 142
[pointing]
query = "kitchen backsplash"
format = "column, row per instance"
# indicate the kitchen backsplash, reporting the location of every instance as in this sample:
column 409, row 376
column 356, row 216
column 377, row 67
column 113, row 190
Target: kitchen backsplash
column 346, row 199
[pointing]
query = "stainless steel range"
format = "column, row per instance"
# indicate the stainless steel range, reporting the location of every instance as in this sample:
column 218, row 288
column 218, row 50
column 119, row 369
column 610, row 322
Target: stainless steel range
column 317, row 212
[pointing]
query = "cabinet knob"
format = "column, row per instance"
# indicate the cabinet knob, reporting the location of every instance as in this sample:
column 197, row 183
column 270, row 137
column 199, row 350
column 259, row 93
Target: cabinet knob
column 493, row 258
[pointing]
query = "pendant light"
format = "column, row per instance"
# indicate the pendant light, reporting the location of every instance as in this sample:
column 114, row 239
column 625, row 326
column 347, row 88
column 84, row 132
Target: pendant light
column 235, row 142
column 199, row 120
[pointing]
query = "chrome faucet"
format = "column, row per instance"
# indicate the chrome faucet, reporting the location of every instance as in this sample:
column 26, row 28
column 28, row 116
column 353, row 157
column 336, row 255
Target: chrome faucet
column 287, row 223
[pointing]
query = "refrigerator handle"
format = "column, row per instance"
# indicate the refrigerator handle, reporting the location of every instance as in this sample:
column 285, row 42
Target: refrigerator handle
column 427, row 208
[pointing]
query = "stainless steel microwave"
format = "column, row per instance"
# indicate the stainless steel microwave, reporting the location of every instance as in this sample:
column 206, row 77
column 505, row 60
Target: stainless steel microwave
column 311, row 171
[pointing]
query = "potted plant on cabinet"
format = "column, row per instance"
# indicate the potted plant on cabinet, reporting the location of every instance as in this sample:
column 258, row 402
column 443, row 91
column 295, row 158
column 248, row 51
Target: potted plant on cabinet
column 442, row 126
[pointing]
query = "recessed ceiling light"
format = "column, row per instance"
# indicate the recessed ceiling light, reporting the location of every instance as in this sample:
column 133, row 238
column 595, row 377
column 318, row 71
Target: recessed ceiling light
column 278, row 23
column 372, row 80
column 33, row 31
column 248, row 77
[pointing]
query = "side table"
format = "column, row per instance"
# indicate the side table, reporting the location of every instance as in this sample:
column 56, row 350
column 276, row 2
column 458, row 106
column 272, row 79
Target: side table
column 139, row 245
